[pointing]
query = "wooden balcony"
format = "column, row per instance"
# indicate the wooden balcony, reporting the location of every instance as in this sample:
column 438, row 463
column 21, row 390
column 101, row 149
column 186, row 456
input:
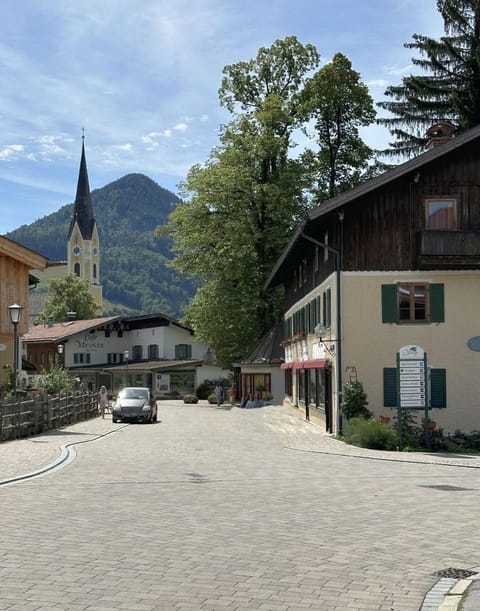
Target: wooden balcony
column 448, row 250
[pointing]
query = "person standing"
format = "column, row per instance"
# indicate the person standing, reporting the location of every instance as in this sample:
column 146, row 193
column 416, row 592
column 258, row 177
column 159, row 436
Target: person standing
column 219, row 394
column 102, row 400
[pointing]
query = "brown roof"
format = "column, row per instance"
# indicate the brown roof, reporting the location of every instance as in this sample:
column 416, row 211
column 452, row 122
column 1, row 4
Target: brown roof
column 64, row 330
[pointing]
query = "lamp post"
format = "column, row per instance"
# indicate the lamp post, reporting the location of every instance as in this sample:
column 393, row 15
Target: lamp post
column 15, row 312
column 60, row 349
column 125, row 358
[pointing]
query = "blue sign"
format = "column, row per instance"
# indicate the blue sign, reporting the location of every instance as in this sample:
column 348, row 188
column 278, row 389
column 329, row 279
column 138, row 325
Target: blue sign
column 474, row 343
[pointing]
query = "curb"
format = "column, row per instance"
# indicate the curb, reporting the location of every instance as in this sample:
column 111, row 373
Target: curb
column 448, row 593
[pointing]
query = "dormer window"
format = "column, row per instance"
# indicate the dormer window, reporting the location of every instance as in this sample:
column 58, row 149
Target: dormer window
column 441, row 214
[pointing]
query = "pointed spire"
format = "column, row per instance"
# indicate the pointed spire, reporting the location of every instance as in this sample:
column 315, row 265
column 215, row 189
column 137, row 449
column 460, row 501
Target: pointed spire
column 83, row 209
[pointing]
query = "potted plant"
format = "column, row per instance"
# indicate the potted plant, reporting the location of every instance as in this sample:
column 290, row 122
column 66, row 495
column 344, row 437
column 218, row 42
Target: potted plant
column 429, row 424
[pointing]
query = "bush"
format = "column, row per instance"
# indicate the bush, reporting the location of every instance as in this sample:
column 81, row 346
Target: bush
column 204, row 389
column 212, row 398
column 56, row 381
column 355, row 401
column 370, row 434
column 190, row 399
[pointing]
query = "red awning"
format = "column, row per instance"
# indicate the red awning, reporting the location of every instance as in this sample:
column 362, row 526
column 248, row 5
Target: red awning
column 313, row 364
column 286, row 365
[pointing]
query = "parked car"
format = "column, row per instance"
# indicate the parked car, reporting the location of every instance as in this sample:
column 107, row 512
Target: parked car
column 134, row 404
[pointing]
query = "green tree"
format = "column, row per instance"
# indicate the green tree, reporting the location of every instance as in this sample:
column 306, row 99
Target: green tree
column 450, row 89
column 56, row 380
column 338, row 103
column 69, row 294
column 242, row 204
column 355, row 401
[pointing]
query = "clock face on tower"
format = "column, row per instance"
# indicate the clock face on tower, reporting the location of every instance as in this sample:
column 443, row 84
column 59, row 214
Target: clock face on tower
column 76, row 250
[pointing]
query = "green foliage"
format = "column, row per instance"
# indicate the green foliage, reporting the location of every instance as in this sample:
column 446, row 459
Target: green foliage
column 204, row 389
column 339, row 104
column 449, row 89
column 355, row 400
column 190, row 399
column 69, row 294
column 242, row 205
column 56, row 381
column 134, row 269
column 406, row 426
column 370, row 434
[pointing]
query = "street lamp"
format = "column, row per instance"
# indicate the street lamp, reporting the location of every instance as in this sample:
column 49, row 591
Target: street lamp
column 60, row 348
column 15, row 312
column 125, row 358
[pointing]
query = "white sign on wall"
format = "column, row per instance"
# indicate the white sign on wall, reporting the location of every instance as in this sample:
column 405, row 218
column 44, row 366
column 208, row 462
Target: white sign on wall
column 162, row 382
column 411, row 366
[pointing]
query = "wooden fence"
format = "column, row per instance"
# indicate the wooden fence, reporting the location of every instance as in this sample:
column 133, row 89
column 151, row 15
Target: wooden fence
column 26, row 417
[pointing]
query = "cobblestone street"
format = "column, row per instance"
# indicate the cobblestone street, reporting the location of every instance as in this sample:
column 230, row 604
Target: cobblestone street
column 228, row 509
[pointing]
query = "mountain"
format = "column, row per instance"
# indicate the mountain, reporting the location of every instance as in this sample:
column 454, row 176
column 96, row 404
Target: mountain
column 133, row 266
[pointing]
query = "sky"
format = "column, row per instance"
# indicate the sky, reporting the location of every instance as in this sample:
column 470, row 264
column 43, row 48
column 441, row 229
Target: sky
column 141, row 77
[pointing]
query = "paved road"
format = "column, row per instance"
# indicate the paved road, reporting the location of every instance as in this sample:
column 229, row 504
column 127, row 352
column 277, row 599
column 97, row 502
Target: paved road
column 229, row 509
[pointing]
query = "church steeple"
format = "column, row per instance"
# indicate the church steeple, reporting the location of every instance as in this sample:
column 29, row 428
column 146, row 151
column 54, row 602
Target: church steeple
column 83, row 244
column 83, row 209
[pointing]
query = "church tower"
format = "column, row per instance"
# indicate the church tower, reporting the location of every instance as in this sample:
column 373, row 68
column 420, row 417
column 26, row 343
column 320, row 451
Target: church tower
column 83, row 245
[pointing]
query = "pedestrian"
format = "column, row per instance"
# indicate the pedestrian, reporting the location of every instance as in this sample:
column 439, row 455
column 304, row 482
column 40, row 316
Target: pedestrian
column 219, row 394
column 102, row 400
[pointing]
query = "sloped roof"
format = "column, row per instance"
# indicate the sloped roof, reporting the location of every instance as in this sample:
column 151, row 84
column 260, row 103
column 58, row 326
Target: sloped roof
column 267, row 350
column 63, row 330
column 83, row 209
column 413, row 166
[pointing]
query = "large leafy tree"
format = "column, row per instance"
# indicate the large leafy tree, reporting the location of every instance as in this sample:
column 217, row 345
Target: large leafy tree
column 449, row 89
column 338, row 104
column 242, row 204
column 69, row 294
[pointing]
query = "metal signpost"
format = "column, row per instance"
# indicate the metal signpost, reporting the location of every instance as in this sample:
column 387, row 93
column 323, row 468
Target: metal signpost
column 412, row 389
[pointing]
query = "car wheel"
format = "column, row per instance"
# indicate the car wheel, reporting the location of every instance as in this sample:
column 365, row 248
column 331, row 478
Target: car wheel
column 114, row 420
column 156, row 417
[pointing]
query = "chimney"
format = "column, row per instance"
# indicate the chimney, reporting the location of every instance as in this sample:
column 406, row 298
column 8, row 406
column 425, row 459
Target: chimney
column 439, row 133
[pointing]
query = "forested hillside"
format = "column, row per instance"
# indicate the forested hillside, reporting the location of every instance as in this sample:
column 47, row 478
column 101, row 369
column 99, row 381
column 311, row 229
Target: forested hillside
column 133, row 268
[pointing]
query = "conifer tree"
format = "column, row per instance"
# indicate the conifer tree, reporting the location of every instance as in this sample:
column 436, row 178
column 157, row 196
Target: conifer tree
column 449, row 89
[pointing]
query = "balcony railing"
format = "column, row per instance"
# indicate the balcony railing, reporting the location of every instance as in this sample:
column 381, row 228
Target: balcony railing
column 448, row 249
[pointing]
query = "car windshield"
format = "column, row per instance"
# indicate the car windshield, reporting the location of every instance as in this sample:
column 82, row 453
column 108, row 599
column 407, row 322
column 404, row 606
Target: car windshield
column 133, row 393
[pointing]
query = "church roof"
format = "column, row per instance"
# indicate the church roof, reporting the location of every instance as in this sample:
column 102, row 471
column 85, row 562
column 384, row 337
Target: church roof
column 83, row 209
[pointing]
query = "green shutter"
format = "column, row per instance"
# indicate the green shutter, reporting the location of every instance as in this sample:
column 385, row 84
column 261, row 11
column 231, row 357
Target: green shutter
column 389, row 303
column 390, row 386
column 438, row 388
column 437, row 303
column 328, row 317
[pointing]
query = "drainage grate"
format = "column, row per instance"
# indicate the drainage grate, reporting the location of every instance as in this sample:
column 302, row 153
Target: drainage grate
column 447, row 488
column 455, row 573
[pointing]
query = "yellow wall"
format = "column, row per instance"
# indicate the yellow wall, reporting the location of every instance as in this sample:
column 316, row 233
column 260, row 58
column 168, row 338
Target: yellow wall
column 370, row 345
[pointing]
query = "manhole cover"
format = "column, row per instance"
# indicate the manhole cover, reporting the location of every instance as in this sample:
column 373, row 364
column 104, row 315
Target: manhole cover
column 446, row 488
column 455, row 573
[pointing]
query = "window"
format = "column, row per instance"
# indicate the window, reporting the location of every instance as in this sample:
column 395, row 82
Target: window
column 441, row 214
column 437, row 387
column 413, row 302
column 95, row 271
column 137, row 353
column 76, row 269
column 153, row 351
column 81, row 358
column 183, row 351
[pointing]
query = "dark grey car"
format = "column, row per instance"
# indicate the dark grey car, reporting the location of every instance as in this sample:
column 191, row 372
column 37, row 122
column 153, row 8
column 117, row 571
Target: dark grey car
column 134, row 405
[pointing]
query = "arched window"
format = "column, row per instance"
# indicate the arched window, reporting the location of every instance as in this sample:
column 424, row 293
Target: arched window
column 95, row 271
column 76, row 269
